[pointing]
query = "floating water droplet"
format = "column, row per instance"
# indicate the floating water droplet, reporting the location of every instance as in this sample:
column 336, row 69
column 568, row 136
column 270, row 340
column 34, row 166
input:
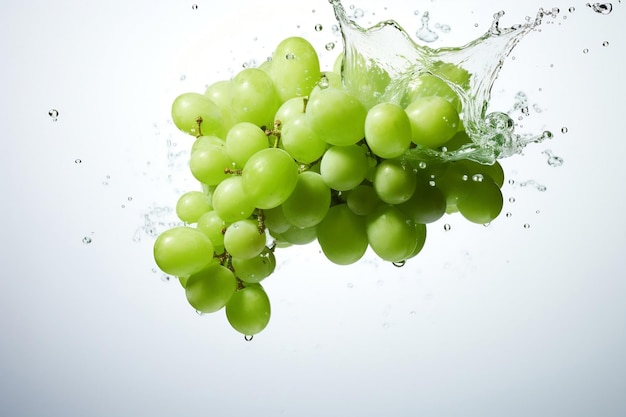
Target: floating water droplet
column 386, row 325
column 154, row 271
column 553, row 160
column 335, row 29
column 445, row 28
column 165, row 278
column 200, row 313
column 399, row 264
column 526, row 226
column 78, row 161
column 130, row 199
column 248, row 337
column 605, row 43
column 509, row 214
column 602, row 8
column 572, row 9
column 350, row 285
column 318, row 27
column 194, row 7
column 533, row 183
column 447, row 227
column 586, row 50
column 54, row 113
column 86, row 240
column 511, row 182
column 511, row 199
column 424, row 33
column 564, row 129
column 330, row 46
column 324, row 83
column 538, row 211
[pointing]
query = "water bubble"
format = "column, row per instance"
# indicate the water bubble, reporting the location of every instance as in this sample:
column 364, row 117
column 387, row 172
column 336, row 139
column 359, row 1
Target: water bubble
column 605, row 43
column 447, row 227
column 318, row 27
column 553, row 160
column 324, row 83
column 290, row 56
column 539, row 187
column 477, row 177
column 330, row 46
column 572, row 9
column 154, row 271
column 509, row 214
column 586, row 50
column 130, row 199
column 194, row 7
column 511, row 199
column 248, row 337
column 86, row 240
column 165, row 278
column 416, row 12
column 538, row 211
column 54, row 113
column 399, row 264
column 564, row 129
column 350, row 285
column 358, row 13
column 511, row 182
column 422, row 165
column 335, row 29
column 78, row 161
column 602, row 8
column 475, row 25
column 445, row 28
column 526, row 226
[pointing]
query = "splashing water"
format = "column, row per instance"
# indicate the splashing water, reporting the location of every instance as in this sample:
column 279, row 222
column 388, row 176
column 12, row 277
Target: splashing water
column 376, row 73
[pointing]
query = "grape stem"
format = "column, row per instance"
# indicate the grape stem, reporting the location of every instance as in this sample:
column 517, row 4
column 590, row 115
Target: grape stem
column 199, row 126
column 274, row 132
column 261, row 219
column 232, row 171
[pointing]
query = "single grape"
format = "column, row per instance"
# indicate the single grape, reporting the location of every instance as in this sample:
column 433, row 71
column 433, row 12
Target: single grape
column 337, row 116
column 275, row 220
column 208, row 164
column 244, row 240
column 193, row 204
column 387, row 130
column 309, row 202
column 301, row 140
column 269, row 178
column 254, row 97
column 362, row 200
column 426, row 85
column 344, row 167
column 212, row 225
column 434, row 121
column 230, row 200
column 299, row 235
column 182, row 251
column 295, row 68
column 482, row 202
column 206, row 142
column 248, row 310
column 426, row 205
column 493, row 171
column 210, row 289
column 390, row 234
column 393, row 183
column 342, row 236
column 244, row 140
column 289, row 109
column 188, row 107
column 221, row 93
column 256, row 269
column 420, row 240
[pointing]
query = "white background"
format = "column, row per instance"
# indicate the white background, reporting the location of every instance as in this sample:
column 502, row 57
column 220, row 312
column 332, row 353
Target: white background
column 492, row 321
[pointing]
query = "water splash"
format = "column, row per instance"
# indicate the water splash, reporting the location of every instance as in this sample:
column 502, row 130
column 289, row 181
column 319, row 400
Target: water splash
column 602, row 8
column 376, row 73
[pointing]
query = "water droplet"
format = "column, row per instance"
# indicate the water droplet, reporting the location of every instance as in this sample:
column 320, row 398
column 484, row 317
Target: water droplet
column 511, row 199
column 335, row 29
column 526, row 226
column 86, row 240
column 78, row 161
column 200, row 313
column 386, row 325
column 165, row 278
column 54, row 113
column 350, row 285
column 318, row 27
column 323, row 82
column 509, row 214
column 564, row 129
column 605, row 43
column 538, row 211
column 330, row 46
column 290, row 56
column 586, row 50
column 413, row 312
column 424, row 33
column 248, row 337
column 477, row 177
column 154, row 270
column 511, row 182
column 475, row 25
column 194, row 7
column 399, row 264
column 572, row 9
column 130, row 199
column 447, row 227
column 553, row 160
column 602, row 8
column 487, row 224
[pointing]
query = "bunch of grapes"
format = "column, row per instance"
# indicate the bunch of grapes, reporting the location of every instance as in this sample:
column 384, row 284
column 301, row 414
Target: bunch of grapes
column 286, row 155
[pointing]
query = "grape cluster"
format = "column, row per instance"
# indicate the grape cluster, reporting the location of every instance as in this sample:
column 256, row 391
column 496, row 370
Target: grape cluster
column 286, row 155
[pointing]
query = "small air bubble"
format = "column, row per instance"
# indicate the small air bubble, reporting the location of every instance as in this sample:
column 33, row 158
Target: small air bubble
column 86, row 240
column 386, row 325
column 165, row 278
column 324, row 83
column 330, row 46
column 446, row 227
column 318, row 27
column 416, row 13
column 248, row 337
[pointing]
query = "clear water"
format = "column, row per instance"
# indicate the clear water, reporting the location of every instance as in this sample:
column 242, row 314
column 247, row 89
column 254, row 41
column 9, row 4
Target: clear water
column 376, row 72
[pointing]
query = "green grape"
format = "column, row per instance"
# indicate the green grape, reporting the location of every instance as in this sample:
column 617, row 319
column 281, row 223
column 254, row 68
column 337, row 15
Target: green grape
column 426, row 85
column 420, row 239
column 256, row 269
column 301, row 140
column 365, row 78
column 295, row 68
column 458, row 140
column 208, row 164
column 266, row 66
column 309, row 202
column 493, row 171
column 393, row 183
column 482, row 202
column 387, row 130
column 344, row 167
column 459, row 76
column 244, row 240
column 390, row 234
column 182, row 251
column 269, row 177
column 333, row 79
column 248, row 310
column 210, row 289
column 338, row 64
column 426, row 205
column 434, row 121
column 221, row 93
column 254, row 97
column 183, row 280
column 192, row 205
column 342, row 236
column 337, row 116
column 289, row 109
column 230, row 200
column 299, row 236
column 362, row 200
column 244, row 140
column 206, row 143
column 188, row 107
column 212, row 225
column 453, row 185
column 275, row 220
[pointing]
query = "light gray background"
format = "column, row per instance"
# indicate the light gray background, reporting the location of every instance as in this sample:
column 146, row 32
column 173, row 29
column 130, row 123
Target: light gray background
column 491, row 321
